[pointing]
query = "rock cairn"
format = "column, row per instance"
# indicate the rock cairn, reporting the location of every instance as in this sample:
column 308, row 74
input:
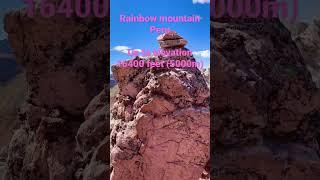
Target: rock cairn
column 161, row 120
column 171, row 40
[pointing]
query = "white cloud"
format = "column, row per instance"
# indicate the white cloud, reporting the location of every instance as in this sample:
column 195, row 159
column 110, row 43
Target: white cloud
column 200, row 1
column 124, row 49
column 139, row 50
column 203, row 54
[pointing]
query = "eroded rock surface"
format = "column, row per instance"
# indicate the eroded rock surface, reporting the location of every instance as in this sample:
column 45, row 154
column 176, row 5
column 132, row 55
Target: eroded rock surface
column 309, row 44
column 161, row 123
column 64, row 131
column 265, row 105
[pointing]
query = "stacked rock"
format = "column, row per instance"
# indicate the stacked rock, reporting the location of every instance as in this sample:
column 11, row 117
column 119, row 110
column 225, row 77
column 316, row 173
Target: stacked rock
column 171, row 40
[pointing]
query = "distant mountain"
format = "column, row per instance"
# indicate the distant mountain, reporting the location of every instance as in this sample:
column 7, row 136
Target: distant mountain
column 8, row 65
column 5, row 46
column 8, row 69
column 12, row 95
column 113, row 82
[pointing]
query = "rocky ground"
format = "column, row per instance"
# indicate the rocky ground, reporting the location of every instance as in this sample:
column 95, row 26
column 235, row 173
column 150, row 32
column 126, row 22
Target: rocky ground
column 161, row 120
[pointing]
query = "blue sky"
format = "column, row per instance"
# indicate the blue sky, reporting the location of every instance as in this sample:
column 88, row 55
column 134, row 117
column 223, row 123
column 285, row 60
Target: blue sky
column 138, row 36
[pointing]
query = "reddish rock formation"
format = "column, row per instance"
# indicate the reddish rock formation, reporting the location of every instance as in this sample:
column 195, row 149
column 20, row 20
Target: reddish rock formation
column 61, row 137
column 161, row 123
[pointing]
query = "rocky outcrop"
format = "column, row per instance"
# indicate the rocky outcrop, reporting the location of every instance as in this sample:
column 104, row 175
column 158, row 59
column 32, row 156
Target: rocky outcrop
column 295, row 28
column 64, row 131
column 161, row 121
column 309, row 45
column 265, row 112
column 93, row 140
column 206, row 75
